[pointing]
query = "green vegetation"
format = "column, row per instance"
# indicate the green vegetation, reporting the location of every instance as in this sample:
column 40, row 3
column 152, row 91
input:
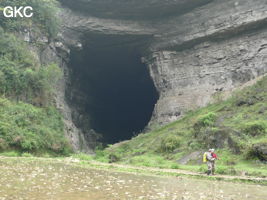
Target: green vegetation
column 206, row 120
column 26, row 128
column 236, row 128
column 26, row 155
column 10, row 154
column 255, row 128
column 44, row 21
column 170, row 143
column 82, row 156
column 20, row 76
column 30, row 124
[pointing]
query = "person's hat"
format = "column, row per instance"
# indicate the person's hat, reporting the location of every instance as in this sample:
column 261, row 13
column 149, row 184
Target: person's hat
column 211, row 150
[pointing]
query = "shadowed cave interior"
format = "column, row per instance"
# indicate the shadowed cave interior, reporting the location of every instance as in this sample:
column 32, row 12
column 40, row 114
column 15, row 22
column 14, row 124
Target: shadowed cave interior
column 111, row 88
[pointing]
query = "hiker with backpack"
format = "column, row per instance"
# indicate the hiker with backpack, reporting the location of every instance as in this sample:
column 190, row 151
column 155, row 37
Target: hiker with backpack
column 210, row 157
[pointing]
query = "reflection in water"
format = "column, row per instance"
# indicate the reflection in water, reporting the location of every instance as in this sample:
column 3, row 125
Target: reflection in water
column 56, row 181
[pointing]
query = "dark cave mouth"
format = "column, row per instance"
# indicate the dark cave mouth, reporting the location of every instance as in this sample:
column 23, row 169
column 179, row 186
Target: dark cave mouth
column 112, row 88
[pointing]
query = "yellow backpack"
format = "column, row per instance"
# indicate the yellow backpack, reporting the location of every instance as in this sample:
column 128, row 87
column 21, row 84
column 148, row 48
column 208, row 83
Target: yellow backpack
column 205, row 157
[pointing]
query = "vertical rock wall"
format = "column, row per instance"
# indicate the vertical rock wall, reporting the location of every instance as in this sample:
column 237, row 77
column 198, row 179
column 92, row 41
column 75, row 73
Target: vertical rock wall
column 56, row 52
column 188, row 79
column 81, row 141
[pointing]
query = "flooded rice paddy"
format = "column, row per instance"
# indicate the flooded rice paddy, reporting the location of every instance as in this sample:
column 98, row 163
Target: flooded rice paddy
column 22, row 179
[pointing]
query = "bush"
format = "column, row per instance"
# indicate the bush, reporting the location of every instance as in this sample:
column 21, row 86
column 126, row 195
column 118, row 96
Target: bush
column 207, row 120
column 30, row 142
column 174, row 166
column 101, row 155
column 28, row 128
column 113, row 157
column 195, row 145
column 204, row 121
column 255, row 128
column 170, row 143
column 20, row 78
column 257, row 151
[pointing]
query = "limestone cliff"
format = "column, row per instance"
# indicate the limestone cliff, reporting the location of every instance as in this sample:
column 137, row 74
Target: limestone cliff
column 56, row 52
column 193, row 49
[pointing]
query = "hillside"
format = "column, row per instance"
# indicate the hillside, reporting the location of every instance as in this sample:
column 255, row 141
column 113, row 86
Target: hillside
column 236, row 128
column 29, row 121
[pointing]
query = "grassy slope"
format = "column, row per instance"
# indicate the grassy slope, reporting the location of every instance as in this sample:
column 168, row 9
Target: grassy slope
column 233, row 127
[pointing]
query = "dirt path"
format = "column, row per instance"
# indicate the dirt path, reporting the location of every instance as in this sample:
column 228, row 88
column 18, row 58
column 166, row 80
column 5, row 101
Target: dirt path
column 151, row 170
column 181, row 172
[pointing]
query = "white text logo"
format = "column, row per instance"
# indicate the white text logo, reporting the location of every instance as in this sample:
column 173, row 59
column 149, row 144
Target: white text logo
column 11, row 12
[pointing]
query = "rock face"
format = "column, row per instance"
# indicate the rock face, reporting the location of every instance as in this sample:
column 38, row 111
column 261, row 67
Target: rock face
column 218, row 19
column 188, row 79
column 140, row 9
column 193, row 49
column 56, row 52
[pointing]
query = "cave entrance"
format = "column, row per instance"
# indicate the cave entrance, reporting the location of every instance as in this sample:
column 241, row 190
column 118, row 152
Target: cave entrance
column 112, row 87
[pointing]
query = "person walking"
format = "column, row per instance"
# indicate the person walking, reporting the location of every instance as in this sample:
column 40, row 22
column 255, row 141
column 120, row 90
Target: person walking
column 211, row 157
